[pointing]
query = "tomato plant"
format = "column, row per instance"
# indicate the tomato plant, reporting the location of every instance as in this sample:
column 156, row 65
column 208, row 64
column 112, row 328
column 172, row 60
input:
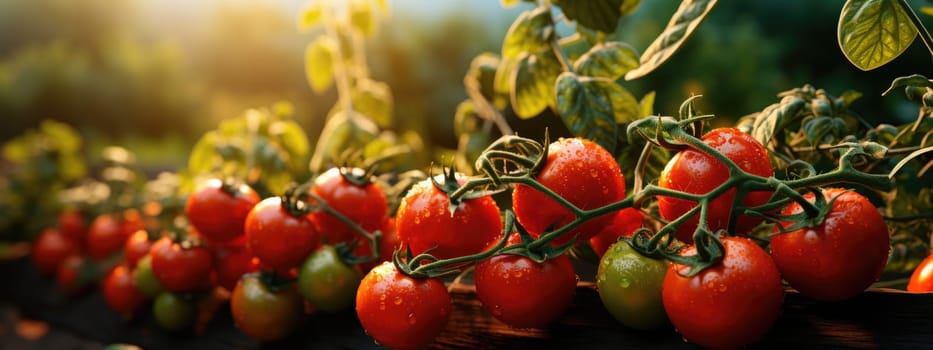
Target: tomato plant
column 279, row 238
column 173, row 312
column 389, row 241
column 265, row 313
column 120, row 292
column 837, row 254
column 50, row 249
column 583, row 173
column 218, row 210
column 181, row 267
column 693, row 171
column 728, row 305
column 624, row 223
column 629, row 285
column 326, row 281
column 348, row 191
column 401, row 312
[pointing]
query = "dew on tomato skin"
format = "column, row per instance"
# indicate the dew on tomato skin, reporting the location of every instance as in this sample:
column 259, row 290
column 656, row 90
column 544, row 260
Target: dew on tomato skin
column 398, row 301
column 382, row 297
column 496, row 310
column 412, row 319
column 624, row 283
column 517, row 274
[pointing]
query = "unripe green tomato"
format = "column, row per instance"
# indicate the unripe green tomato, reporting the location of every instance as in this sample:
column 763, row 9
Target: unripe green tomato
column 327, row 282
column 145, row 280
column 173, row 313
column 629, row 285
column 915, row 93
column 928, row 99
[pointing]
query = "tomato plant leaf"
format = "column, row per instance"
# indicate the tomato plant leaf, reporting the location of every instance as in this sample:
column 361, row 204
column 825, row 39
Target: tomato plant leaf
column 201, row 159
column 927, row 10
column 319, row 63
column 310, row 16
column 373, row 99
column 293, row 140
column 482, row 74
column 682, row 24
column 821, row 130
column 772, row 118
column 362, row 17
column 872, row 33
column 342, row 131
column 910, row 80
column 509, row 3
column 533, row 82
column 529, row 33
column 602, row 15
column 585, row 105
column 647, row 104
column 608, row 60
column 466, row 118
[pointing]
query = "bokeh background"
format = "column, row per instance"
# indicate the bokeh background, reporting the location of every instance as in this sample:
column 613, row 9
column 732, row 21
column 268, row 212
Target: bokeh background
column 153, row 75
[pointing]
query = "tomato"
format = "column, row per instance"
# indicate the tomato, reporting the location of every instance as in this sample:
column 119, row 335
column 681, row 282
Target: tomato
column 50, row 249
column 132, row 222
column 365, row 205
column 629, row 285
column 624, row 224
column 72, row 224
column 232, row 262
column 105, row 237
column 425, row 221
column 262, row 313
column 401, row 312
column 525, row 294
column 839, row 258
column 581, row 172
column 327, row 282
column 922, row 278
column 120, row 291
column 75, row 274
column 278, row 238
column 729, row 305
column 145, row 281
column 173, row 312
column 693, row 171
column 387, row 245
column 217, row 214
column 137, row 246
column 180, row 269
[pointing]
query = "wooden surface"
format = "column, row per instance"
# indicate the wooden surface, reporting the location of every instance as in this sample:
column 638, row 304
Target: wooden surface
column 877, row 319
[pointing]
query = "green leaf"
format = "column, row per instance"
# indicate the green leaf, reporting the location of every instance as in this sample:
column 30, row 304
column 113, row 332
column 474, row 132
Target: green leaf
column 773, row 118
column 533, row 82
column 682, row 24
column 362, row 17
column 293, row 140
column 310, row 16
column 17, row 150
column 201, row 159
column 482, row 74
column 874, row 32
column 466, row 120
column 821, row 130
column 529, row 33
column 502, row 83
column 585, row 105
column 342, row 132
column 319, row 63
column 910, row 80
column 373, row 99
column 602, row 15
column 624, row 105
column 608, row 60
column 65, row 137
column 927, row 10
column 647, row 104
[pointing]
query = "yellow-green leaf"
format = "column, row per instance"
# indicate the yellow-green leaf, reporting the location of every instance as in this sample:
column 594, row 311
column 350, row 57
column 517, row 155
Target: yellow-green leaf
column 927, row 10
column 601, row 15
column 201, row 159
column 529, row 33
column 373, row 99
column 509, row 3
column 482, row 75
column 362, row 17
column 342, row 132
column 466, row 120
column 319, row 63
column 533, row 83
column 608, row 60
column 682, row 24
column 874, row 32
column 310, row 16
column 585, row 105
column 293, row 140
column 647, row 104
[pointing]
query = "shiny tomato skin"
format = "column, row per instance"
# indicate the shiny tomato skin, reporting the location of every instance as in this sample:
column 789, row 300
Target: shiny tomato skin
column 629, row 285
column 581, row 172
column 522, row 293
column 624, row 224
column 72, row 224
column 424, row 221
column 839, row 258
column 179, row 269
column 279, row 239
column 921, row 280
column 218, row 215
column 729, row 305
column 120, row 292
column 400, row 312
column 387, row 245
column 50, row 249
column 231, row 262
column 137, row 246
column 75, row 274
column 105, row 237
column 695, row 172
column 327, row 282
column 365, row 205
column 145, row 280
column 173, row 312
column 262, row 313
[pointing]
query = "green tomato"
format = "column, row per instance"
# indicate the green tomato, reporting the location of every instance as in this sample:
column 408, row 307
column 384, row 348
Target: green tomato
column 327, row 282
column 145, row 280
column 629, row 285
column 173, row 313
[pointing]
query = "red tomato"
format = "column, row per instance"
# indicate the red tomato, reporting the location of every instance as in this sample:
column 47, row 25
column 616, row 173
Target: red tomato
column 132, row 222
column 922, row 278
column 50, row 249
column 217, row 214
column 265, row 314
column 120, row 293
column 136, row 247
column 105, row 237
column 729, row 305
column 693, row 171
column 75, row 274
column 424, row 221
column 232, row 262
column 624, row 224
column 387, row 245
column 522, row 293
column 581, row 172
column 839, row 258
column 72, row 224
column 401, row 312
column 180, row 269
column 365, row 205
column 278, row 238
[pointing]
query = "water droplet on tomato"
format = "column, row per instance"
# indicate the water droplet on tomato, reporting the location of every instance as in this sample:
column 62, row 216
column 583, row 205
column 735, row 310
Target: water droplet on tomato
column 398, row 300
column 382, row 297
column 496, row 311
column 411, row 319
column 723, row 288
column 517, row 274
column 624, row 283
